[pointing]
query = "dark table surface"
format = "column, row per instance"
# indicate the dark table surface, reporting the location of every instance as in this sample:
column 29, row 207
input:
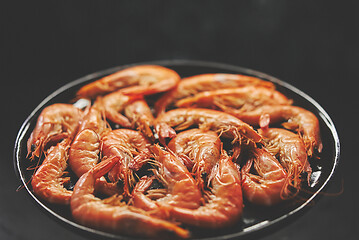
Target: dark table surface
column 312, row 45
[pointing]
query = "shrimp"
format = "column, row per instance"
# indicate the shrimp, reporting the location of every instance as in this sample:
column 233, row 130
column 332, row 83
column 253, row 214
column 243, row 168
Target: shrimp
column 140, row 116
column 290, row 149
column 115, row 216
column 223, row 123
column 131, row 149
column 225, row 203
column 114, row 103
column 297, row 118
column 205, row 82
column 47, row 182
column 199, row 149
column 181, row 191
column 236, row 99
column 56, row 122
column 137, row 80
column 85, row 148
column 268, row 186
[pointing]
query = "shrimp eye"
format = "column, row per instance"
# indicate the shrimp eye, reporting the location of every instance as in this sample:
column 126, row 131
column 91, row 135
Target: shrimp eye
column 204, row 175
column 33, row 147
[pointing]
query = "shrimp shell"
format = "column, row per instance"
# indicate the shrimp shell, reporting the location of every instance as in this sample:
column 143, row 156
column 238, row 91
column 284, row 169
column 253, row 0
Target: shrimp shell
column 206, row 82
column 137, row 80
column 55, row 122
column 225, row 124
column 47, row 182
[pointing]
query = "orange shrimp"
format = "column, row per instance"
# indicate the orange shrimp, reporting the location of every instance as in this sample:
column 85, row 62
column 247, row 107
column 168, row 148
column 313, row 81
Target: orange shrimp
column 48, row 183
column 131, row 148
column 115, row 216
column 297, row 118
column 182, row 190
column 236, row 99
column 223, row 123
column 205, row 82
column 85, row 149
column 225, row 203
column 268, row 186
column 56, row 122
column 137, row 80
column 114, row 104
column 140, row 116
column 290, row 149
column 199, row 149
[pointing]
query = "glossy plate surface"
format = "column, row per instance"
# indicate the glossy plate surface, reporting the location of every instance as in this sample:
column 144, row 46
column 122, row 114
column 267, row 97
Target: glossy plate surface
column 256, row 220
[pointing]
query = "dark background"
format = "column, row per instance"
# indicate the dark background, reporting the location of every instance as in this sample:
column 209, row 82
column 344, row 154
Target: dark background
column 312, row 45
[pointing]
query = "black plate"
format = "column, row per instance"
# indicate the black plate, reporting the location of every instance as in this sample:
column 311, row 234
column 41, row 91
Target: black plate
column 256, row 220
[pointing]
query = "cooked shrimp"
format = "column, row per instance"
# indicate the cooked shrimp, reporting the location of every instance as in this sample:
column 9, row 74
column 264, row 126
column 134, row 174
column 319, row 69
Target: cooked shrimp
column 290, row 149
column 268, row 186
column 115, row 216
column 223, row 123
column 137, row 80
column 56, row 122
column 48, row 181
column 205, row 82
column 181, row 188
column 114, row 104
column 131, row 149
column 140, row 116
column 235, row 99
column 225, row 204
column 85, row 149
column 199, row 149
column 297, row 118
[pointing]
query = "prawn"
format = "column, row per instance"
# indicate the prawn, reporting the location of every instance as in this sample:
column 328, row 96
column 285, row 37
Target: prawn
column 181, row 191
column 114, row 104
column 85, row 148
column 55, row 122
column 223, row 123
column 268, row 185
column 141, row 118
column 205, row 82
column 137, row 80
column 296, row 118
column 47, row 182
column 131, row 149
column 225, row 202
column 115, row 216
column 290, row 149
column 199, row 149
column 235, row 99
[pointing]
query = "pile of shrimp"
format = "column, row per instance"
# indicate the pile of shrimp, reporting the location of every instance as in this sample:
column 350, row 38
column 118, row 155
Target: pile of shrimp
column 152, row 155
